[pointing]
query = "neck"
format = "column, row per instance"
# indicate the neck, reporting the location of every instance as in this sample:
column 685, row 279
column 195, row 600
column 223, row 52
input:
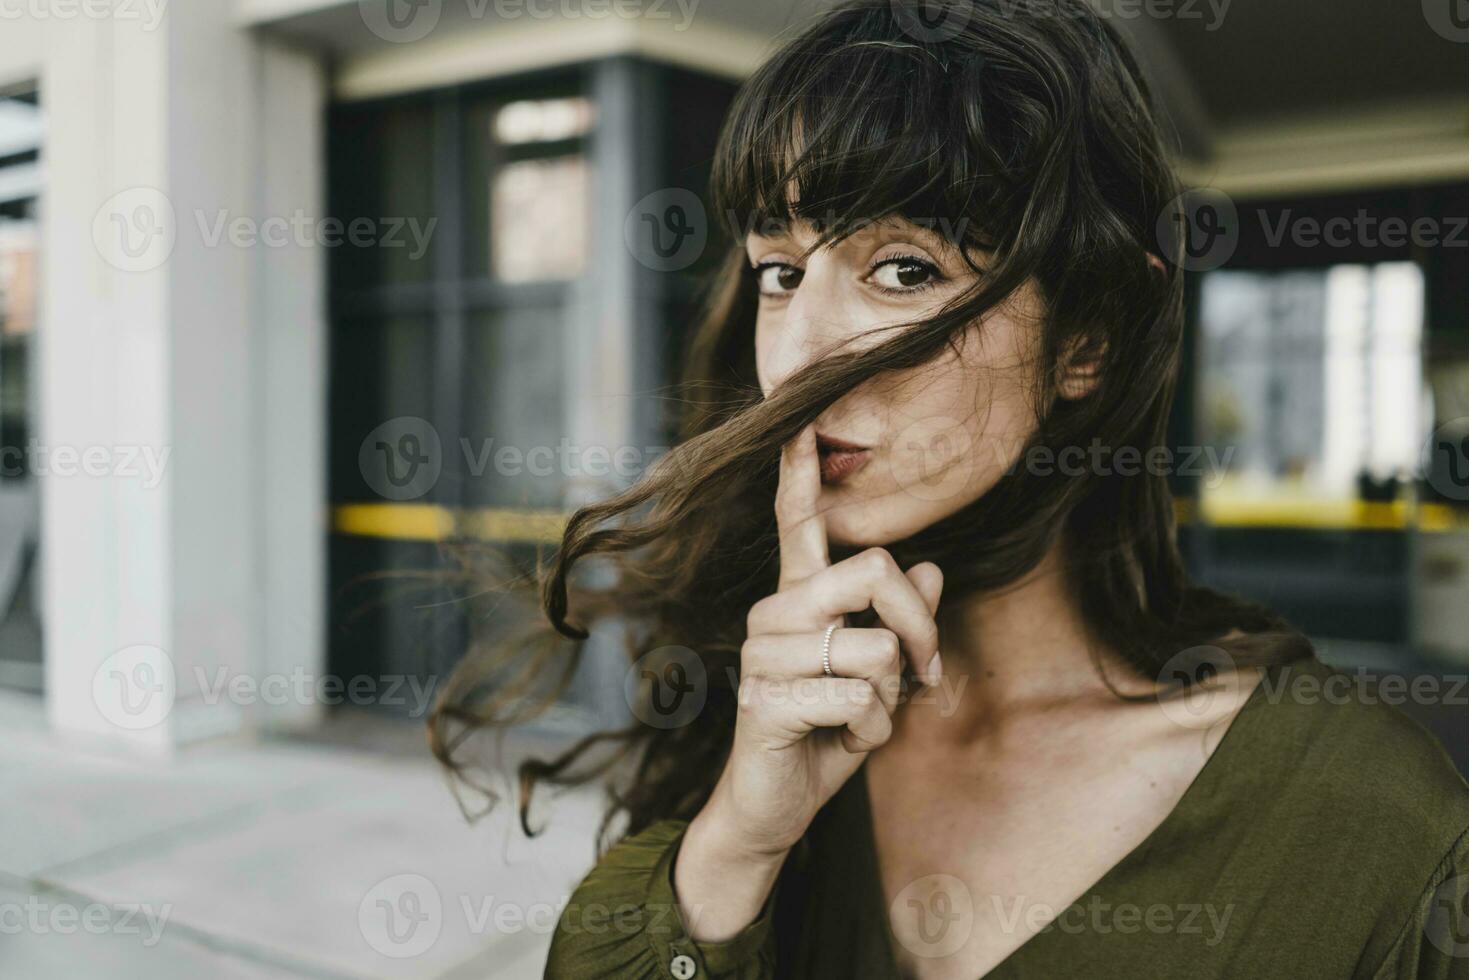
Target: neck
column 1024, row 648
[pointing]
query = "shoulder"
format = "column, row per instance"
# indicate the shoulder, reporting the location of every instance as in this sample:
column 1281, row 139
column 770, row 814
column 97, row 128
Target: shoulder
column 1350, row 732
column 1345, row 766
column 1334, row 790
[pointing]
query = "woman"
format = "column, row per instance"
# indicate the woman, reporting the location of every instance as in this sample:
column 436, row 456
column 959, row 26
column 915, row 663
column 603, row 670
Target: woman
column 960, row 713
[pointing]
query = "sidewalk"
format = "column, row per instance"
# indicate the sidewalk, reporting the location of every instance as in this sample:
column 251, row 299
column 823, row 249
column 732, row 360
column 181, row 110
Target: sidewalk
column 287, row 858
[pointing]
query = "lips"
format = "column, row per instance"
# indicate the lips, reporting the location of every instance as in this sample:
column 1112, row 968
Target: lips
column 839, row 458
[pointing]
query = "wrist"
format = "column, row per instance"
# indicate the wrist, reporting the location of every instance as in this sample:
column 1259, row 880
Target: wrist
column 722, row 882
column 719, row 837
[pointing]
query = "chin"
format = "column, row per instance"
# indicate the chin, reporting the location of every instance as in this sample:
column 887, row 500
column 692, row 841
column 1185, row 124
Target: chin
column 874, row 523
column 856, row 517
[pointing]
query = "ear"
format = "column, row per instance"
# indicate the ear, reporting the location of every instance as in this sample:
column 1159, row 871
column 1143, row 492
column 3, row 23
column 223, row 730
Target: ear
column 1080, row 370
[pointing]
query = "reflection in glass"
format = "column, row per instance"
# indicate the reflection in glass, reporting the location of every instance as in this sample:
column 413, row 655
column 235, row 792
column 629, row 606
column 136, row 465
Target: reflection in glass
column 543, row 120
column 538, row 214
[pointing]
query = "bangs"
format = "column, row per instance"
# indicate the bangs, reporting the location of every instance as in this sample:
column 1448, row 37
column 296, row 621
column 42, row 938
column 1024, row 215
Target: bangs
column 859, row 124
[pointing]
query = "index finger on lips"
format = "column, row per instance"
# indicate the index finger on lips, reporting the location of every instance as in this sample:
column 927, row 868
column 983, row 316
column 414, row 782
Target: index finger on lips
column 799, row 524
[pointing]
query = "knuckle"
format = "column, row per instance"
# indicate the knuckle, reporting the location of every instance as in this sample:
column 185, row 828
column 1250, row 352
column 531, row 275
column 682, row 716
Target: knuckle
column 888, row 646
column 877, row 561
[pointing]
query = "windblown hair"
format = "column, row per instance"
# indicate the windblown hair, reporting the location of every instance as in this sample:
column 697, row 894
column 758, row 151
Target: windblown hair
column 1025, row 129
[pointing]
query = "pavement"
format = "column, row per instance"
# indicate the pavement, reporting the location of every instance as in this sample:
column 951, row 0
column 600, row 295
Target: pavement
column 343, row 855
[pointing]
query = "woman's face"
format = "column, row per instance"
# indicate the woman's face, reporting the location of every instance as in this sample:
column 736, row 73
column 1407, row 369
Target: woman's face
column 908, row 448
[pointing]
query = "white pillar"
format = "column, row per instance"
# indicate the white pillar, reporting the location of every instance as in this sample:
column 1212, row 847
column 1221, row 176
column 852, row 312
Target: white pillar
column 210, row 353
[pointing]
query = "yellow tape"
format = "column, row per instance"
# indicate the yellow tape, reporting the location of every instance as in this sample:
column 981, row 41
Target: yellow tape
column 430, row 522
column 1325, row 515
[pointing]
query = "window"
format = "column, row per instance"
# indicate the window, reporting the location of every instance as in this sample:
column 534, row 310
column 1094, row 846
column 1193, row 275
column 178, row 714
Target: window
column 451, row 348
column 453, row 361
column 1311, row 383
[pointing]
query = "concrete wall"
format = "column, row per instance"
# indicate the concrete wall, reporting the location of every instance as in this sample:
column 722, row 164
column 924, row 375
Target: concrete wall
column 207, row 566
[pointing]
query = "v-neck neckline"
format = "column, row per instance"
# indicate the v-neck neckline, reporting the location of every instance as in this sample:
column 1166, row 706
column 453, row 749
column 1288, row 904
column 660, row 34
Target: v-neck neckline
column 1205, row 780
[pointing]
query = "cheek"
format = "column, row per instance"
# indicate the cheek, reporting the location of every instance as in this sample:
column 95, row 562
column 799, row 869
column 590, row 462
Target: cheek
column 966, row 418
column 765, row 367
column 952, row 430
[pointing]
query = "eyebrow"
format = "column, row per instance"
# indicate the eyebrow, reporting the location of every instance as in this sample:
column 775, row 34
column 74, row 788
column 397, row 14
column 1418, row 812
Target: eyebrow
column 889, row 229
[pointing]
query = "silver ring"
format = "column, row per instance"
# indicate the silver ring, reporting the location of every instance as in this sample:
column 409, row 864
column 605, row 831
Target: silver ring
column 826, row 651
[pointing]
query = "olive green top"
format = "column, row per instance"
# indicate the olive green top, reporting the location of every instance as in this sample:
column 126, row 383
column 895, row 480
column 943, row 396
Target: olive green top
column 1324, row 837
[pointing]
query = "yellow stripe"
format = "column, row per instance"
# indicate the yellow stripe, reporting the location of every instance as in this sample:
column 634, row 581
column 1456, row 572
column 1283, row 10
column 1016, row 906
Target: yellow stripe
column 430, row 522
column 1336, row 515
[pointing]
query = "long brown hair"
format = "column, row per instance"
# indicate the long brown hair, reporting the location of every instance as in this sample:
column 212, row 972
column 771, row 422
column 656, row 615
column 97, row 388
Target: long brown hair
column 1027, row 127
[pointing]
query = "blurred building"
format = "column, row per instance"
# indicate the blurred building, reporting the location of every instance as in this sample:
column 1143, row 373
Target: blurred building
column 293, row 290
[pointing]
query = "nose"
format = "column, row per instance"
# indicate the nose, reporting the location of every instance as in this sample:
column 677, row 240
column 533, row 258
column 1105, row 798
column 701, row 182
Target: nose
column 809, row 324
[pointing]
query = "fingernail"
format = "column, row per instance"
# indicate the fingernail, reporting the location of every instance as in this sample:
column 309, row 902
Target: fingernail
column 935, row 670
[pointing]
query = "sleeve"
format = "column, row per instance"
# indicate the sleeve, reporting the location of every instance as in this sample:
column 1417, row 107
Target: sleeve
column 1434, row 945
column 623, row 921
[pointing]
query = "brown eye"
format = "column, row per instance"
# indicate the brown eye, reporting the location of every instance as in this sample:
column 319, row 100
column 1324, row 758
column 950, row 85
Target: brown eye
column 903, row 274
column 912, row 275
column 778, row 278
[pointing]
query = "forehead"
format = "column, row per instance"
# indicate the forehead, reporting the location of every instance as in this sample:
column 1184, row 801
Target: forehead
column 811, row 235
